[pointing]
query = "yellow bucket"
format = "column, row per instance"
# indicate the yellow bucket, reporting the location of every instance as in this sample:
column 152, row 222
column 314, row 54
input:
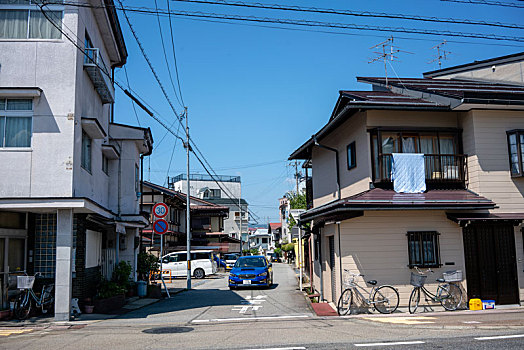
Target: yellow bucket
column 475, row 304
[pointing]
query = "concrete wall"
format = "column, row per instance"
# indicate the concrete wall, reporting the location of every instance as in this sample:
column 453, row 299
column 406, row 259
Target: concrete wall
column 233, row 188
column 51, row 153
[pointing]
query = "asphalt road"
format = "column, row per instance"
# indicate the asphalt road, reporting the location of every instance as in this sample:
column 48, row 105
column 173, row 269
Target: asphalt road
column 213, row 317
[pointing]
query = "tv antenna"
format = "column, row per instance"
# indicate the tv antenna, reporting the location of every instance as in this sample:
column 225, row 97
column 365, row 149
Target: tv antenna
column 441, row 54
column 386, row 54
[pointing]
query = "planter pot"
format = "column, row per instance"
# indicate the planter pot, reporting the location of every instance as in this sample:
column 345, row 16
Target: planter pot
column 88, row 309
column 105, row 306
column 154, row 291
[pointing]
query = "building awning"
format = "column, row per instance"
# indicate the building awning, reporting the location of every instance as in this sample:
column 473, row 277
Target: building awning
column 20, row 91
column 380, row 199
column 464, row 219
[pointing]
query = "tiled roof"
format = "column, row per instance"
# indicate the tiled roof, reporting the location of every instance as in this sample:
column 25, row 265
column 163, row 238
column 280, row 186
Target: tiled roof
column 384, row 98
column 275, row 225
column 380, row 199
column 454, row 88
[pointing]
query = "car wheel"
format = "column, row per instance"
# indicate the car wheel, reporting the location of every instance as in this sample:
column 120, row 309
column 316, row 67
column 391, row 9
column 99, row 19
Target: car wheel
column 199, row 273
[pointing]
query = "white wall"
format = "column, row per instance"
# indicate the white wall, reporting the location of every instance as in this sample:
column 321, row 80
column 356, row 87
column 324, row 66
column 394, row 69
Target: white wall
column 93, row 248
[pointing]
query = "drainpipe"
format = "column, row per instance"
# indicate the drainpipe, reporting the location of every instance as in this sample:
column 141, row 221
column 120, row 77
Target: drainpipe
column 336, row 160
column 340, row 258
column 112, row 116
column 321, row 266
column 141, row 199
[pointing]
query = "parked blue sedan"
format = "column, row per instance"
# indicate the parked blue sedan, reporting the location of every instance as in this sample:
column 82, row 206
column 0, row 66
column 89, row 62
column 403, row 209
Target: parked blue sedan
column 251, row 271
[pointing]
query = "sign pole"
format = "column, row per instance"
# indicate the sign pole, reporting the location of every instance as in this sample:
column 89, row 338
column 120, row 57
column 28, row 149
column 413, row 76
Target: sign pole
column 160, row 227
column 161, row 270
column 188, row 210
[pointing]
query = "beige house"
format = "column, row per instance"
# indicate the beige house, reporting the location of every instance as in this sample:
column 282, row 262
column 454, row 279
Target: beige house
column 469, row 218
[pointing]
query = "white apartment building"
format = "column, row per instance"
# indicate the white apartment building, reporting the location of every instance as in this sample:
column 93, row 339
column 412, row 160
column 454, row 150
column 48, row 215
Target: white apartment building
column 204, row 187
column 69, row 194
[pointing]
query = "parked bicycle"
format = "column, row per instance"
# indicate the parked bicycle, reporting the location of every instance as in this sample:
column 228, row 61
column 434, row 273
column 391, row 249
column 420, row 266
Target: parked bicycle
column 448, row 294
column 384, row 298
column 28, row 299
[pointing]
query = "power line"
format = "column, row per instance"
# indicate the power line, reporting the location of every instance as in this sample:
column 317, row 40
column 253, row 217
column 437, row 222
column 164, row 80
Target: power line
column 485, row 2
column 309, row 23
column 165, row 56
column 132, row 102
column 354, row 13
column 147, row 59
column 174, row 53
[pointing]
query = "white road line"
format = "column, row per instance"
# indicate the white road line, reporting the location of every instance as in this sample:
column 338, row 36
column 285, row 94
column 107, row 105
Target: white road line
column 248, row 318
column 501, row 337
column 392, row 343
column 295, row 348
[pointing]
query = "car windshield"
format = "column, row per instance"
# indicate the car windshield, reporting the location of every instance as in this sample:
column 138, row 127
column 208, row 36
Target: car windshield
column 251, row 262
column 230, row 257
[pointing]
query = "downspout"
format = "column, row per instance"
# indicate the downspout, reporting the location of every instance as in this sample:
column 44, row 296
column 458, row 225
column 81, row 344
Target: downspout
column 340, row 258
column 336, row 159
column 112, row 116
column 141, row 199
column 117, row 253
column 321, row 266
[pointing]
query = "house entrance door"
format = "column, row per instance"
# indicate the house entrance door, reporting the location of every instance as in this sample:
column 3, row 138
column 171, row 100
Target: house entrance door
column 491, row 270
column 332, row 267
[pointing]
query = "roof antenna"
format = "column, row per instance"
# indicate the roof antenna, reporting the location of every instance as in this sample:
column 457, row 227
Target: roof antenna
column 441, row 54
column 388, row 53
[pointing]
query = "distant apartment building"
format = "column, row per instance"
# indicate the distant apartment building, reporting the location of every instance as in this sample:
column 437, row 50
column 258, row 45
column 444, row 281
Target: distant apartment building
column 69, row 195
column 227, row 194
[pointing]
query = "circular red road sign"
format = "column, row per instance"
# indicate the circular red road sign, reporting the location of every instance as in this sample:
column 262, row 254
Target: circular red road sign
column 160, row 210
column 160, row 226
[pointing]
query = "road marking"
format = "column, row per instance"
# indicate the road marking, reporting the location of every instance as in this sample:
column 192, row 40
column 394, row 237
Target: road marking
column 8, row 332
column 392, row 343
column 249, row 303
column 402, row 320
column 468, row 322
column 501, row 337
column 295, row 348
column 249, row 318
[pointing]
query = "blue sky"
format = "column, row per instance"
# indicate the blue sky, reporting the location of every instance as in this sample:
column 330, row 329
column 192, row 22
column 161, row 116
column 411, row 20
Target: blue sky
column 254, row 94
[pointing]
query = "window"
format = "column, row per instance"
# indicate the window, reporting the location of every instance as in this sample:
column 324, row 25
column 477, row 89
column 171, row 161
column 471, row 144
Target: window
column 22, row 19
column 86, row 151
column 211, row 193
column 351, row 156
column 174, row 216
column 16, row 119
column 264, row 240
column 105, row 164
column 423, row 248
column 516, row 151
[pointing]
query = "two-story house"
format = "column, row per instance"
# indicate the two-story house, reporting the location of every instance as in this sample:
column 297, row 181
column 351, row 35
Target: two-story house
column 207, row 222
column 69, row 192
column 469, row 125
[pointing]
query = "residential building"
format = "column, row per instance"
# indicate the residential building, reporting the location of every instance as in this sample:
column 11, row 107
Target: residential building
column 69, row 194
column 469, row 217
column 283, row 212
column 226, row 194
column 207, row 222
column 275, row 229
column 261, row 239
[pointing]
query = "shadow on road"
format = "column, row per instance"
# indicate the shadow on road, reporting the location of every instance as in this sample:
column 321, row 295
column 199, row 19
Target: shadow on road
column 193, row 299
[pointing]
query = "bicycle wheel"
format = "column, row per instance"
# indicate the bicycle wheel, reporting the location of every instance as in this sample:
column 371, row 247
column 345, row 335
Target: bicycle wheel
column 450, row 296
column 414, row 299
column 386, row 299
column 23, row 306
column 344, row 302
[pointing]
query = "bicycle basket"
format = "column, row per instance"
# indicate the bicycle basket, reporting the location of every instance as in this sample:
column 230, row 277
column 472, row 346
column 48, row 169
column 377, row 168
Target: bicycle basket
column 452, row 276
column 25, row 282
column 417, row 280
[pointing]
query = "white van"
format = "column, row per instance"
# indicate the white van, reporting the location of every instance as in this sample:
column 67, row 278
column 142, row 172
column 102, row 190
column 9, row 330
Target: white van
column 202, row 264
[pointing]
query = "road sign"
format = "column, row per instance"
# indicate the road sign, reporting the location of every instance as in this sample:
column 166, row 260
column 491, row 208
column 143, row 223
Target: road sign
column 160, row 210
column 160, row 226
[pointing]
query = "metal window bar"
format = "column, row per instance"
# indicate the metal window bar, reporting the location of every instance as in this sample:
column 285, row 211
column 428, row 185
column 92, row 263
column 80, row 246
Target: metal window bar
column 423, row 249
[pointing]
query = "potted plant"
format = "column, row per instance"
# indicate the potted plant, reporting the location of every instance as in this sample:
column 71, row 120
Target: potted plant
column 110, row 297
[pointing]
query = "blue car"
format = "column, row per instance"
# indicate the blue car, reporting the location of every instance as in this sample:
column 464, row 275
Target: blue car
column 251, row 271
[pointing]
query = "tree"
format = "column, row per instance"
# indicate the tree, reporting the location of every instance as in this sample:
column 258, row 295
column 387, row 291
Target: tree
column 297, row 201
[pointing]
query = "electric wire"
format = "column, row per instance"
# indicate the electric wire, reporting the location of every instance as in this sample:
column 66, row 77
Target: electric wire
column 491, row 3
column 353, row 13
column 132, row 102
column 310, row 23
column 174, row 51
column 165, row 57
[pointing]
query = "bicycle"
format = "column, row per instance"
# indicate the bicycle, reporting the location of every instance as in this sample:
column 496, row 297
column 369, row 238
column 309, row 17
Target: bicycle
column 384, row 298
column 448, row 293
column 28, row 298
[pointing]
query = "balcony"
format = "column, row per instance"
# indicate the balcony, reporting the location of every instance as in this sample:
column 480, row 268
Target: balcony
column 443, row 171
column 99, row 74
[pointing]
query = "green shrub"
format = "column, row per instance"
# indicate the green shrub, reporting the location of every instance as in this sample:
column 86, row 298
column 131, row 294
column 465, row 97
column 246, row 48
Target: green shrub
column 146, row 263
column 121, row 274
column 108, row 289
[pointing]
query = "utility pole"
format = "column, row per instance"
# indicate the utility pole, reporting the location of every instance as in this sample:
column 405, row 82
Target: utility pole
column 188, row 209
column 441, row 54
column 296, row 174
column 240, row 209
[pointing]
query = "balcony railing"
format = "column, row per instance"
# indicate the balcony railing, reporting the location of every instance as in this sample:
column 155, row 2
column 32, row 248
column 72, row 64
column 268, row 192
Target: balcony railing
column 443, row 171
column 99, row 74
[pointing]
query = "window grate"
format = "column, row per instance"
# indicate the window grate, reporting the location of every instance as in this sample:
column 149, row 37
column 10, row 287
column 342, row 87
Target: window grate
column 423, row 249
